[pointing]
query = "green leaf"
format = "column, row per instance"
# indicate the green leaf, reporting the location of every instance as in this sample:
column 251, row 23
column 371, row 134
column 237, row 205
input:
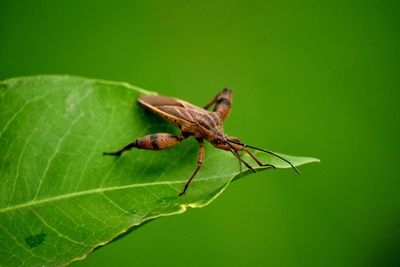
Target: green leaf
column 60, row 198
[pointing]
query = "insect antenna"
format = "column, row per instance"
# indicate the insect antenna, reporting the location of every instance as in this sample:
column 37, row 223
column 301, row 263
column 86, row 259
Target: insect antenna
column 266, row 151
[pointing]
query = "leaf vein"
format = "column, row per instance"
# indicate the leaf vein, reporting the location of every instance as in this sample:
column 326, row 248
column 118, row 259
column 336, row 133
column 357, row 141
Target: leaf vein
column 103, row 189
column 20, row 110
column 60, row 141
column 55, row 230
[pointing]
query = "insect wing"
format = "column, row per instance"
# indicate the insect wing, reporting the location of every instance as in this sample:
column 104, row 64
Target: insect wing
column 172, row 109
column 157, row 101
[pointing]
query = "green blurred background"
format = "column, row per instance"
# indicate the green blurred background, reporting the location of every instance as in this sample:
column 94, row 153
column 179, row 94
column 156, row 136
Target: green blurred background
column 312, row 78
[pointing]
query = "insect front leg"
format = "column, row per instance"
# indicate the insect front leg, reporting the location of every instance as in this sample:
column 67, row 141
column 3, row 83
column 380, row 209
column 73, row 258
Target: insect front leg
column 234, row 149
column 199, row 164
column 223, row 102
column 259, row 162
column 156, row 141
column 236, row 154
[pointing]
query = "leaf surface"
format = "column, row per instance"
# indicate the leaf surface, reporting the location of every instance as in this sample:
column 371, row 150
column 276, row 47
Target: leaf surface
column 60, row 198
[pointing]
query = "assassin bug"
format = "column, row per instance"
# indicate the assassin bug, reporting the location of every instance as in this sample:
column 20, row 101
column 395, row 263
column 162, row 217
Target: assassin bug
column 196, row 121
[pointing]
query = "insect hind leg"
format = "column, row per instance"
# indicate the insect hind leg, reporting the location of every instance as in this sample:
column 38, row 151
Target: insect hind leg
column 223, row 102
column 157, row 141
column 119, row 152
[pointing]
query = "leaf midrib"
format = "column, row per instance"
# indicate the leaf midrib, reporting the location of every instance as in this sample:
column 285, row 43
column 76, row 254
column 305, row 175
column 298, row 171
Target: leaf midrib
column 101, row 190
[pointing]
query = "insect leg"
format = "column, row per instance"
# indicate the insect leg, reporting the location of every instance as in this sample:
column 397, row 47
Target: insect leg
column 259, row 162
column 222, row 103
column 152, row 142
column 211, row 103
column 228, row 147
column 241, row 160
column 199, row 163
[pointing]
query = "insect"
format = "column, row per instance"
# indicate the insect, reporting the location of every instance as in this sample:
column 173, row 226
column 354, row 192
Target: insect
column 197, row 122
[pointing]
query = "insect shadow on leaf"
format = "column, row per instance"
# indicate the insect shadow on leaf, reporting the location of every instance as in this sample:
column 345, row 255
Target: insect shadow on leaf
column 35, row 240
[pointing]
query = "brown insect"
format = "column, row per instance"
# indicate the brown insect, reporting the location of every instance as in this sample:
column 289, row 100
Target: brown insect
column 196, row 121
